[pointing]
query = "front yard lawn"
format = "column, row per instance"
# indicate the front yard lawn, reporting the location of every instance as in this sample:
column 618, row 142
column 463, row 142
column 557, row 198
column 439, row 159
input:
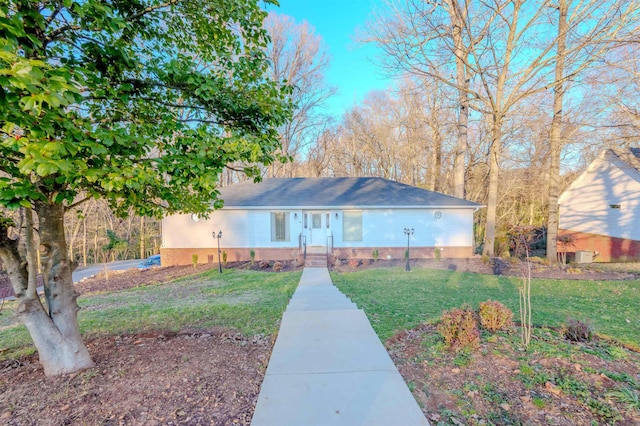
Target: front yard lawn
column 395, row 300
column 553, row 381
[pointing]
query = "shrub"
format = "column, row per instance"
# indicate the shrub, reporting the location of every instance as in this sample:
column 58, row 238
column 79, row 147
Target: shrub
column 437, row 253
column 578, row 331
column 224, row 257
column 459, row 329
column 375, row 255
column 194, row 260
column 354, row 263
column 495, row 316
column 252, row 253
column 264, row 264
column 277, row 266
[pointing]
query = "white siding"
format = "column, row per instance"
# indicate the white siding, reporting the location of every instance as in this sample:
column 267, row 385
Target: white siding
column 240, row 229
column 385, row 228
column 585, row 205
column 380, row 228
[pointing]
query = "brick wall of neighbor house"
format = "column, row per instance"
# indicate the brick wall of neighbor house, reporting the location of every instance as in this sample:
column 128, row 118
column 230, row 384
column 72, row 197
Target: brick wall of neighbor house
column 183, row 256
column 609, row 249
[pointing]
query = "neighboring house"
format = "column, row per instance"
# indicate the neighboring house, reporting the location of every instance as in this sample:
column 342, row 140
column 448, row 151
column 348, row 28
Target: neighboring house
column 600, row 211
column 278, row 219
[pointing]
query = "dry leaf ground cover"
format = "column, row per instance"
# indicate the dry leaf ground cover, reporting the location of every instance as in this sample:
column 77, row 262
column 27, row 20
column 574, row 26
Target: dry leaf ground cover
column 553, row 381
column 185, row 346
column 168, row 350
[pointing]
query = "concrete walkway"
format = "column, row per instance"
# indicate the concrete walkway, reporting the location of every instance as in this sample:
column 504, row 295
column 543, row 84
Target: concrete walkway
column 328, row 366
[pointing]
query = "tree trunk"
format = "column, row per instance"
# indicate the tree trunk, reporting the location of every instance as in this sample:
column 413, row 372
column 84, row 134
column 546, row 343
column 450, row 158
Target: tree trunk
column 54, row 330
column 84, row 241
column 492, row 197
column 56, row 334
column 458, row 17
column 142, row 237
column 555, row 139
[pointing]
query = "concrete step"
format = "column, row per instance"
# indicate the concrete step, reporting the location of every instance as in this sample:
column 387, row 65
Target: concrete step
column 319, row 259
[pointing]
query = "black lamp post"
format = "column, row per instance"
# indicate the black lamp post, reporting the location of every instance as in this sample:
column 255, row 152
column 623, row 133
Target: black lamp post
column 408, row 232
column 218, row 236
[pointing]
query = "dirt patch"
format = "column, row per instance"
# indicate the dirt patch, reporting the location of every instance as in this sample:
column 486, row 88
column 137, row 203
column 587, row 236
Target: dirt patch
column 496, row 266
column 499, row 383
column 210, row 376
column 204, row 376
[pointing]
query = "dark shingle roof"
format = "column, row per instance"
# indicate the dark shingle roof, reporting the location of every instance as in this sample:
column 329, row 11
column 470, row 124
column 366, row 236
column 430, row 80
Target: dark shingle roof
column 335, row 193
column 630, row 156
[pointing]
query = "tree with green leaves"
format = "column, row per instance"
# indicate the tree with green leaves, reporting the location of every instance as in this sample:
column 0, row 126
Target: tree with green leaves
column 139, row 102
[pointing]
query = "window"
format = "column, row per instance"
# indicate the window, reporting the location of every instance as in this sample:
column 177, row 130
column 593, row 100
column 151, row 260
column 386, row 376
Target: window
column 352, row 226
column 327, row 221
column 614, row 206
column 316, row 221
column 279, row 226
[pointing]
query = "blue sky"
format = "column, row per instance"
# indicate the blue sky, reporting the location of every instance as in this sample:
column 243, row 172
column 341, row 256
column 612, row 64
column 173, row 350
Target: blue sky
column 351, row 69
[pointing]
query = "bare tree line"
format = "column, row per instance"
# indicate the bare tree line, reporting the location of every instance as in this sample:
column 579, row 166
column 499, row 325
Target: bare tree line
column 498, row 102
column 88, row 228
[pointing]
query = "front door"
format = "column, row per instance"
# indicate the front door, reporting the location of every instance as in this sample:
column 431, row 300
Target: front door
column 318, row 223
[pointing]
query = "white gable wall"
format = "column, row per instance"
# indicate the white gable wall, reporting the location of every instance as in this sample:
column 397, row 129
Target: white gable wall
column 585, row 205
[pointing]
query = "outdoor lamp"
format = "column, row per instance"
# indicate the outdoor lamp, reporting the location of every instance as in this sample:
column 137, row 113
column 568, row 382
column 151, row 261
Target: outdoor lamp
column 218, row 237
column 408, row 232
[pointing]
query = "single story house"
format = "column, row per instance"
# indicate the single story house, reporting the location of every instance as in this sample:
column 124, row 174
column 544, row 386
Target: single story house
column 282, row 218
column 600, row 210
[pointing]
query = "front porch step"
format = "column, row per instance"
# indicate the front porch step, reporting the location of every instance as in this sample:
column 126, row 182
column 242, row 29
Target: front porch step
column 316, row 260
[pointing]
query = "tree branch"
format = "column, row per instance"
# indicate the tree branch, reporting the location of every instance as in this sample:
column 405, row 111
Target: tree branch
column 77, row 203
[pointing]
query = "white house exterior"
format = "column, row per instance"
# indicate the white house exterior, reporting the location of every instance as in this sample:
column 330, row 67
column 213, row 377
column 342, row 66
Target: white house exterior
column 600, row 211
column 278, row 219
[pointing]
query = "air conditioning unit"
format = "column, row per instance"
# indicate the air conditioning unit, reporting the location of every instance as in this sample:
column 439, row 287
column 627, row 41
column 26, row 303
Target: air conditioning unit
column 584, row 257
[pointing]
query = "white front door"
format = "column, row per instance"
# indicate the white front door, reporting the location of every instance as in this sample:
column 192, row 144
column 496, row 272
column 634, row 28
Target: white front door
column 318, row 223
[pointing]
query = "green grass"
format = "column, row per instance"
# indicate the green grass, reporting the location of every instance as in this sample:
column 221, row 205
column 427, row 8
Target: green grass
column 249, row 301
column 395, row 300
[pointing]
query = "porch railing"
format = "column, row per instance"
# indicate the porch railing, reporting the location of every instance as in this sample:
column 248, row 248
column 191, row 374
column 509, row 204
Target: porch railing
column 302, row 245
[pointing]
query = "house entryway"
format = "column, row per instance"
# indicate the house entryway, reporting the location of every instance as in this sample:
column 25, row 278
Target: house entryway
column 318, row 223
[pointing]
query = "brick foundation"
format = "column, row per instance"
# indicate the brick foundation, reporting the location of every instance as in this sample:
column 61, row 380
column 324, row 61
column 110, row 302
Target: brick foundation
column 398, row 252
column 609, row 249
column 183, row 256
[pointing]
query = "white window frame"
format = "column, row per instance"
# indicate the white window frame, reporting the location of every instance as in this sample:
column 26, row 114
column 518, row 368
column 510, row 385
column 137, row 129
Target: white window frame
column 280, row 220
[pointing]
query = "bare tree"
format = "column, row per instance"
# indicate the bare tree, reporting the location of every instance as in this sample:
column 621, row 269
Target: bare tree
column 413, row 35
column 298, row 57
column 505, row 49
column 586, row 32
